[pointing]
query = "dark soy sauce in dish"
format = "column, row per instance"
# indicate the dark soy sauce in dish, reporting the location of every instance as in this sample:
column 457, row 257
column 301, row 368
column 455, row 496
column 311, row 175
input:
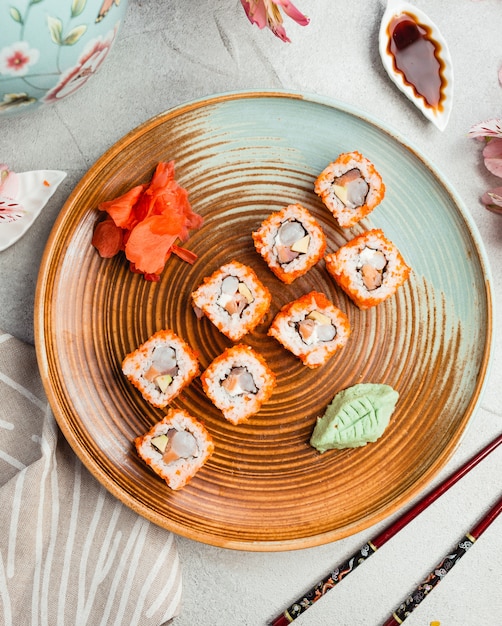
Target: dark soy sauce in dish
column 416, row 56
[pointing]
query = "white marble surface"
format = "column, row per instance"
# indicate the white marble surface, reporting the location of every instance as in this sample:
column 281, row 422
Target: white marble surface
column 172, row 51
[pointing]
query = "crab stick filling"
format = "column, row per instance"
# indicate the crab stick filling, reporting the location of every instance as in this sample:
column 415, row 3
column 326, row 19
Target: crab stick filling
column 351, row 188
column 315, row 327
column 290, row 241
column 371, row 266
column 163, row 368
column 239, row 381
column 235, row 295
column 175, row 444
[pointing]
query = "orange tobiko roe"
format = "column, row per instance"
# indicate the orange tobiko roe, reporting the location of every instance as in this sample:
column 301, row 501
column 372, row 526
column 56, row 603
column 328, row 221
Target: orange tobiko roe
column 146, row 221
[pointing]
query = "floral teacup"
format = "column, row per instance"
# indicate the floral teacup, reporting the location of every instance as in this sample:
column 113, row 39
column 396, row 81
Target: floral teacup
column 50, row 48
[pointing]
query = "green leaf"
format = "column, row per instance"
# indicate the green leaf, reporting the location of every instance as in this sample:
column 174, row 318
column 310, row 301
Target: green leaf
column 55, row 29
column 16, row 15
column 356, row 416
column 77, row 7
column 35, row 2
column 74, row 35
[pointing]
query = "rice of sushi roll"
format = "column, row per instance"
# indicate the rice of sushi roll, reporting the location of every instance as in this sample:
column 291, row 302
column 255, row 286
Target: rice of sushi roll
column 291, row 242
column 161, row 367
column 350, row 187
column 312, row 328
column 369, row 268
column 175, row 448
column 238, row 382
column 233, row 299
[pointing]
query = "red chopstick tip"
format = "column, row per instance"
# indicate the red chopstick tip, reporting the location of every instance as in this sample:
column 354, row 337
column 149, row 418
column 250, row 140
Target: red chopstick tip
column 282, row 620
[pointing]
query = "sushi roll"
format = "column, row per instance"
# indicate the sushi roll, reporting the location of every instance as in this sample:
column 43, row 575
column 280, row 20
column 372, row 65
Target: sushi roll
column 161, row 367
column 175, row 448
column 238, row 382
column 290, row 241
column 350, row 187
column 233, row 299
column 369, row 268
column 312, row 328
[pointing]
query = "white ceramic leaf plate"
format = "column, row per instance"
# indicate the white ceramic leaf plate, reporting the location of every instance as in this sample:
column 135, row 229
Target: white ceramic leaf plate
column 440, row 114
column 242, row 156
column 35, row 190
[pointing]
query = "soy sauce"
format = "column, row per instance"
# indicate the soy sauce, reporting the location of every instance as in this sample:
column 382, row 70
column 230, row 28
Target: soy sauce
column 416, row 57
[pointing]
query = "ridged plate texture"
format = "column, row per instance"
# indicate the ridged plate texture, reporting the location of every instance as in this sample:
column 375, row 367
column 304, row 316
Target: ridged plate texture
column 241, row 156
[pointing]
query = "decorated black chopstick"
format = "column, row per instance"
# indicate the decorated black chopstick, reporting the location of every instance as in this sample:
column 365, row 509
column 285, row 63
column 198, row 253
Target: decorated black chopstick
column 440, row 571
column 348, row 566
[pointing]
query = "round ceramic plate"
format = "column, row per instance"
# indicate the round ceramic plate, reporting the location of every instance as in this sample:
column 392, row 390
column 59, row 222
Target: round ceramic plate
column 242, row 156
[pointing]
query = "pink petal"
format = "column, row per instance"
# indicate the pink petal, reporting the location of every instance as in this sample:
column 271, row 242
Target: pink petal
column 9, row 183
column 492, row 154
column 256, row 12
column 279, row 31
column 493, row 197
column 495, row 209
column 489, row 128
column 493, row 148
column 494, row 166
column 292, row 12
column 267, row 13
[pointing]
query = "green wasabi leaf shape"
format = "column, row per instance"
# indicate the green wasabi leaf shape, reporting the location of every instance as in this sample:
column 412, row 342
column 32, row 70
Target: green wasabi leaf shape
column 356, row 416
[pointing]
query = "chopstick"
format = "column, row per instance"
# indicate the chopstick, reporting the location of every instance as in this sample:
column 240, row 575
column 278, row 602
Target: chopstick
column 369, row 548
column 440, row 571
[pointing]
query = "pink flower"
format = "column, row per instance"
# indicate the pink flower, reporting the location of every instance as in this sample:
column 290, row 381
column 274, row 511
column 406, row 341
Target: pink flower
column 267, row 13
column 490, row 132
column 489, row 128
column 16, row 59
column 88, row 64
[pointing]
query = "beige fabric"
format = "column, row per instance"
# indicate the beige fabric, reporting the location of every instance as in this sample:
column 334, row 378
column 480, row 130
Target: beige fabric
column 70, row 553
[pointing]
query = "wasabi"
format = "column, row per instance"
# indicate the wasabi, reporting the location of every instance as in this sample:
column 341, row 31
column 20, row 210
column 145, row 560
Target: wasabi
column 356, row 416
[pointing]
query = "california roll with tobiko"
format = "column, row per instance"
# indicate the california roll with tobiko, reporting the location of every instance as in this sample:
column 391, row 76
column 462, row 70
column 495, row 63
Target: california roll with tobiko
column 233, row 298
column 291, row 242
column 350, row 187
column 369, row 268
column 176, row 447
column 312, row 328
column 161, row 367
column 238, row 382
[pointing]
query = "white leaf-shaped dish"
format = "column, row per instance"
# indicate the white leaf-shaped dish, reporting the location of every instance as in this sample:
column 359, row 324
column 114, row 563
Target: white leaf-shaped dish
column 438, row 111
column 18, row 214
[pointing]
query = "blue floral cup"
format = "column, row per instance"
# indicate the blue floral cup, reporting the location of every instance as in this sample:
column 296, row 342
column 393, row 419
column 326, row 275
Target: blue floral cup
column 50, row 48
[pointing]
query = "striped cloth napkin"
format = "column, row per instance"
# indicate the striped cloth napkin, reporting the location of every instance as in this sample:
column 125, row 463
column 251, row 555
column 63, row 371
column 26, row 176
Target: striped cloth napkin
column 70, row 553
